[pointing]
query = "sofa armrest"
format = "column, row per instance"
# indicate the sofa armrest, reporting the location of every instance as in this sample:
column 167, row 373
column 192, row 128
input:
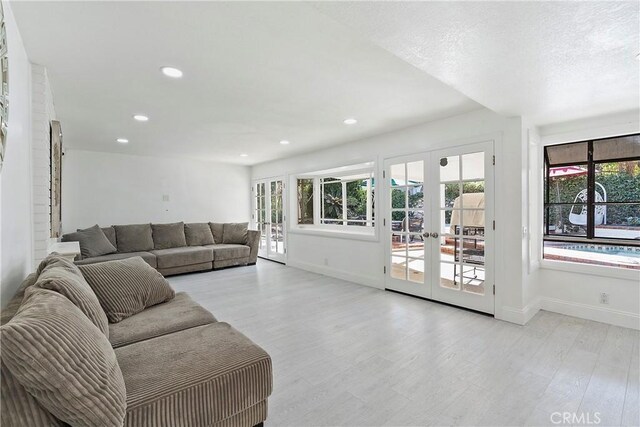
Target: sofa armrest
column 253, row 242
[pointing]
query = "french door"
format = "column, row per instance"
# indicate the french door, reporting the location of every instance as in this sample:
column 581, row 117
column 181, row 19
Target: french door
column 268, row 217
column 439, row 225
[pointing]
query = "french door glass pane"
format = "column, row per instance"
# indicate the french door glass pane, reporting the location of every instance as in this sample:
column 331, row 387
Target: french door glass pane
column 462, row 214
column 449, row 275
column 473, row 279
column 473, row 166
column 450, row 168
column 398, row 175
column 416, row 270
column 407, row 221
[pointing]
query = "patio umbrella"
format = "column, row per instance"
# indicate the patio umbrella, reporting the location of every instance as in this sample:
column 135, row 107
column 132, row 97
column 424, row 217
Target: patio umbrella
column 565, row 171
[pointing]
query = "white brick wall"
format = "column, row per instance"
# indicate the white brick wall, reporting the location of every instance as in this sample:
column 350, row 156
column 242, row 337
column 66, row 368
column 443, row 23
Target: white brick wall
column 42, row 113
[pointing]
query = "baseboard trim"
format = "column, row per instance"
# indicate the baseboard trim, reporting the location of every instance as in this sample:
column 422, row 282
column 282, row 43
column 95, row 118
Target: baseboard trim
column 338, row 274
column 599, row 314
column 519, row 316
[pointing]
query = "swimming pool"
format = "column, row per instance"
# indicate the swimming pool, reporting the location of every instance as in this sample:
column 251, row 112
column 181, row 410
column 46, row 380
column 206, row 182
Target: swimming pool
column 608, row 255
column 602, row 249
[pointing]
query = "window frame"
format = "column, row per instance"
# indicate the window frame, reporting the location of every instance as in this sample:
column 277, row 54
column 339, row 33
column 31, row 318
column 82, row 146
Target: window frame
column 590, row 203
column 344, row 225
column 369, row 221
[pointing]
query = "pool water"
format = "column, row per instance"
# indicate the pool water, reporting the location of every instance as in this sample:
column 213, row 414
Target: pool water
column 609, row 250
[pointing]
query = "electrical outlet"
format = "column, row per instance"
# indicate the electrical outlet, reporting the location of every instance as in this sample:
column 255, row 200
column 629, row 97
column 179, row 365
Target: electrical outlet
column 165, row 197
column 604, row 298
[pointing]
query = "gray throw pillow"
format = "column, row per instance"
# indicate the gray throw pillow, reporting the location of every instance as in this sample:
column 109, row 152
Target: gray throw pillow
column 110, row 232
column 126, row 287
column 198, row 234
column 216, row 230
column 76, row 289
column 236, row 233
column 167, row 236
column 64, row 361
column 93, row 242
column 134, row 238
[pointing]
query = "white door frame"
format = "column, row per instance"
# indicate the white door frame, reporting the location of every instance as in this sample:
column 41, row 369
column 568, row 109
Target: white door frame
column 265, row 250
column 431, row 289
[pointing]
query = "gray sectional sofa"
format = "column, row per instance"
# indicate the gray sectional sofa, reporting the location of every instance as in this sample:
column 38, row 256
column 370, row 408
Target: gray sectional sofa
column 169, row 363
column 170, row 248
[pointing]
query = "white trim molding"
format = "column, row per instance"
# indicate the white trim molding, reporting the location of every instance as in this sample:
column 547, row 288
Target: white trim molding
column 370, row 281
column 599, row 314
column 519, row 316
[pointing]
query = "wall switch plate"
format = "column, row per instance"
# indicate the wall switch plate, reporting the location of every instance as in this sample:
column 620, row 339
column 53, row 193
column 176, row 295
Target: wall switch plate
column 165, row 197
column 604, row 298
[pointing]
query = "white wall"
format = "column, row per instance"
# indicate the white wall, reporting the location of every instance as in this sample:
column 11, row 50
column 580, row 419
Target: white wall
column 107, row 189
column 16, row 253
column 362, row 261
column 576, row 290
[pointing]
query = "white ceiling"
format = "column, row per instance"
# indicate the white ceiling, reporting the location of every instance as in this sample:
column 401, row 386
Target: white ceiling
column 256, row 73
column 551, row 61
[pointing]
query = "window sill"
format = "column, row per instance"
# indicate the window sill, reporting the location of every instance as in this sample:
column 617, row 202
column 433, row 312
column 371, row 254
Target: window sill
column 591, row 270
column 370, row 236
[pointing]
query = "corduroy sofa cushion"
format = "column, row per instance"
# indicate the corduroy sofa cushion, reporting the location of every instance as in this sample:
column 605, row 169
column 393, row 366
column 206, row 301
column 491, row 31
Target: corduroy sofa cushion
column 176, row 315
column 134, row 237
column 196, row 377
column 14, row 303
column 147, row 256
column 64, row 361
column 126, row 287
column 224, row 251
column 93, row 242
column 167, row 236
column 235, row 232
column 18, row 408
column 76, row 289
column 177, row 257
column 198, row 234
column 55, row 260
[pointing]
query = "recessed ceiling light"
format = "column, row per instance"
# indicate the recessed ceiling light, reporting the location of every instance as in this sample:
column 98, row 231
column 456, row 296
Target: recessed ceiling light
column 350, row 121
column 171, row 72
column 122, row 140
column 141, row 118
column 284, row 142
column 244, row 155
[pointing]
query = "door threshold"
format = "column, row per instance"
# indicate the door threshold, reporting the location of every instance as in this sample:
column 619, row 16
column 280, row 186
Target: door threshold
column 441, row 302
column 272, row 260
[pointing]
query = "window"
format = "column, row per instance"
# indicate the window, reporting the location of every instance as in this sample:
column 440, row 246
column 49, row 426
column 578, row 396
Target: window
column 339, row 199
column 347, row 200
column 592, row 202
column 305, row 201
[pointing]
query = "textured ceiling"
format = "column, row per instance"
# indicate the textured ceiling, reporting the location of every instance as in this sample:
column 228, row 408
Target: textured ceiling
column 260, row 72
column 254, row 74
column 551, row 61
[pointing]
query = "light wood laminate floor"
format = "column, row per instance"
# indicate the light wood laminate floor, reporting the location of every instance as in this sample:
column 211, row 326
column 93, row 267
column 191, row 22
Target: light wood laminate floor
column 347, row 355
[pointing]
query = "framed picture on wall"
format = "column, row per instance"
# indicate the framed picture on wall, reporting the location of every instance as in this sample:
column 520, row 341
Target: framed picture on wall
column 56, row 178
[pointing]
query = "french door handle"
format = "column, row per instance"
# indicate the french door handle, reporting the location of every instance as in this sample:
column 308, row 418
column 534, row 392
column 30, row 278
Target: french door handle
column 434, row 235
column 426, row 234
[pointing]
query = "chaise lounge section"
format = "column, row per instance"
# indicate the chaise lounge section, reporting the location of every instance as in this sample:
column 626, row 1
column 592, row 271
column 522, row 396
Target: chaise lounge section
column 173, row 248
column 179, row 364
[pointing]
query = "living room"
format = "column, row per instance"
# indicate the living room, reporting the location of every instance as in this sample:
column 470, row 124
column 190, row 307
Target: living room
column 420, row 213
